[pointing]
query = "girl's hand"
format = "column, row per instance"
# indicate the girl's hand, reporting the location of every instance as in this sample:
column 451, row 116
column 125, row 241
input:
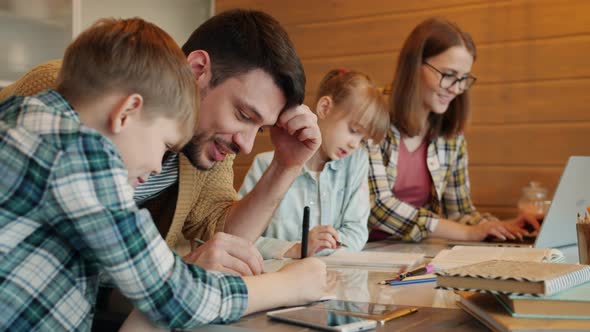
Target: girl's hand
column 322, row 237
column 319, row 238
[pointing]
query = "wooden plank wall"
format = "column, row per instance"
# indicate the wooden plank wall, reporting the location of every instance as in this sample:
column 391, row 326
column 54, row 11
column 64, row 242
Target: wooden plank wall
column 531, row 104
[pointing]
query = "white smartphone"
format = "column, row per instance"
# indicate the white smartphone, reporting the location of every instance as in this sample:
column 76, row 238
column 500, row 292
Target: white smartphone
column 322, row 319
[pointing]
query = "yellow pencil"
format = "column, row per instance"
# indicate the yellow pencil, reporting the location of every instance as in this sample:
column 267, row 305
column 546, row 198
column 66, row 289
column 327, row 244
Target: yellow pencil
column 398, row 313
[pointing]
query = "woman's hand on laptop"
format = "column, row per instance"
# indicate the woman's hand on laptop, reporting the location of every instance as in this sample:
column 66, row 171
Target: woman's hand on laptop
column 493, row 228
column 511, row 229
column 527, row 222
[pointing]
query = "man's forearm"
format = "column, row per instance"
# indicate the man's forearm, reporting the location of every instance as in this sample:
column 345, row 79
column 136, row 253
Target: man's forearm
column 250, row 216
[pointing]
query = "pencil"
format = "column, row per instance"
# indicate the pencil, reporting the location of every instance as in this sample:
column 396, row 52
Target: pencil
column 398, row 314
column 419, row 271
column 199, row 241
column 340, row 244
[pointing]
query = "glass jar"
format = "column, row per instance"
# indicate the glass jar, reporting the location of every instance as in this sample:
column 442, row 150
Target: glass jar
column 535, row 200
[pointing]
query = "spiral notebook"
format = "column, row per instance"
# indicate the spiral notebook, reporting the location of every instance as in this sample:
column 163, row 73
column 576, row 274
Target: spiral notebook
column 511, row 277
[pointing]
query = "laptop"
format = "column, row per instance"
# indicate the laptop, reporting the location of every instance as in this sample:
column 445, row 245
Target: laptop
column 571, row 197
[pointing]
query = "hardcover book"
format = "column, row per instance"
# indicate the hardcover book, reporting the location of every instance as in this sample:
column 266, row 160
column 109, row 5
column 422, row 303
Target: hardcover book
column 573, row 303
column 511, row 277
column 490, row 312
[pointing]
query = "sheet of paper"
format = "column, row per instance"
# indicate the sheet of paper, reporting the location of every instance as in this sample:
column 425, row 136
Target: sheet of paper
column 372, row 258
column 465, row 255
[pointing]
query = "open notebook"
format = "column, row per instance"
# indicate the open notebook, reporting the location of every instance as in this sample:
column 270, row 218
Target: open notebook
column 465, row 255
column 373, row 259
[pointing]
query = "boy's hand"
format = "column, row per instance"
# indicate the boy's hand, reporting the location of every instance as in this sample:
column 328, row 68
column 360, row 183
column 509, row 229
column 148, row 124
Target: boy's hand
column 227, row 253
column 296, row 136
column 310, row 272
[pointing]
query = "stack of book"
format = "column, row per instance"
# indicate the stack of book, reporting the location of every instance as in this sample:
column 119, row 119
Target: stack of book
column 523, row 296
column 573, row 303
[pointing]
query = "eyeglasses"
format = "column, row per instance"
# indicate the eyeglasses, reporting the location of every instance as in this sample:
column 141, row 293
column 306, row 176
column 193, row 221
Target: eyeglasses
column 448, row 80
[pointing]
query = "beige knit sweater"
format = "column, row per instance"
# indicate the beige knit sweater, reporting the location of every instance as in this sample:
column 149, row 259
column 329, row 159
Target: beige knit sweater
column 196, row 207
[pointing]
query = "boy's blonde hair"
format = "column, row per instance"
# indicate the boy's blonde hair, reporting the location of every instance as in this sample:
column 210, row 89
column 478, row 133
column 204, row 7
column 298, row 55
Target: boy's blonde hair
column 131, row 56
column 355, row 93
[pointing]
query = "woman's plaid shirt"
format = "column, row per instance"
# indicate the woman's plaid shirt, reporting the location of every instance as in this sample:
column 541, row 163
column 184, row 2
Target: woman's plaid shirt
column 446, row 160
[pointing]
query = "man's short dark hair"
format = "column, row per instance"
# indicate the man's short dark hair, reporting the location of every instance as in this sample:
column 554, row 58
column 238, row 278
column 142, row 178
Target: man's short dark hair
column 239, row 41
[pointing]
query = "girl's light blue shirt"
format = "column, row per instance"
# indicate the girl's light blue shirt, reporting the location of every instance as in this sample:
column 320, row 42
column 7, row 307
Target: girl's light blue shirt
column 343, row 199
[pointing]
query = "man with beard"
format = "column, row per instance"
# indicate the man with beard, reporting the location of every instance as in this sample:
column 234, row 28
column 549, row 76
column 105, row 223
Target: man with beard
column 250, row 79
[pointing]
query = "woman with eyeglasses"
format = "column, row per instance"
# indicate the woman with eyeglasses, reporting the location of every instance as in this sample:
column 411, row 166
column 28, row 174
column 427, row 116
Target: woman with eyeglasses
column 418, row 176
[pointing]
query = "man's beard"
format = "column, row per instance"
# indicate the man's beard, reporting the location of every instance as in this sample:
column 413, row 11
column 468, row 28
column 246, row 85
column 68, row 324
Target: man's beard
column 194, row 149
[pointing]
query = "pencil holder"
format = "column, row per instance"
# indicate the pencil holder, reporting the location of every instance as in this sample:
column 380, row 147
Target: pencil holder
column 583, row 230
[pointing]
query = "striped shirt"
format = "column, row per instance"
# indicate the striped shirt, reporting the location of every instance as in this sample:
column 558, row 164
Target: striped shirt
column 67, row 212
column 156, row 184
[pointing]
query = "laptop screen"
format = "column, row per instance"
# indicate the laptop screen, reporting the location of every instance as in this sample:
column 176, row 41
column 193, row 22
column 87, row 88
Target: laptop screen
column 571, row 197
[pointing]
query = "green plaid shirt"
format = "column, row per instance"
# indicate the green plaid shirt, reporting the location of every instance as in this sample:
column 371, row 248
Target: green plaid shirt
column 446, row 160
column 66, row 212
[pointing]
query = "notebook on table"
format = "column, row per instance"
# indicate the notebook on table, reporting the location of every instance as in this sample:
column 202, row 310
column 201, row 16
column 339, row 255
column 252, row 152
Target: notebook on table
column 558, row 229
column 573, row 303
column 466, row 255
column 512, row 277
column 490, row 312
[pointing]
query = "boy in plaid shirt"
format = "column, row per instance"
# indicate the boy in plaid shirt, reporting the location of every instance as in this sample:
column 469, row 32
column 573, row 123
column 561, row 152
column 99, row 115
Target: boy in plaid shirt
column 125, row 96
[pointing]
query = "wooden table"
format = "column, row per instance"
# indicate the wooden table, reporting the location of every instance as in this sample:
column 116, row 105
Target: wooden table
column 437, row 308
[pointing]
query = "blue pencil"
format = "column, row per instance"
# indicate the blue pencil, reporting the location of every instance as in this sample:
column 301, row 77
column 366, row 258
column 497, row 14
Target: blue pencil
column 409, row 282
